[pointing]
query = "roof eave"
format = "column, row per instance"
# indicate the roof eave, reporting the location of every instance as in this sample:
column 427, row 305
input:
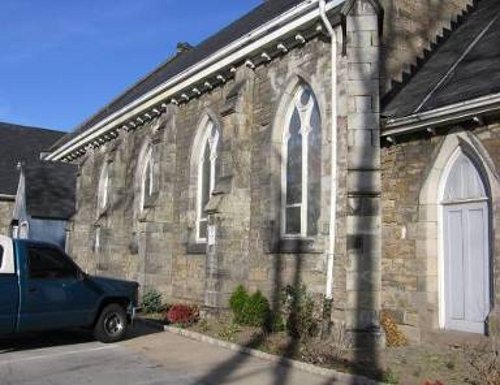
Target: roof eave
column 450, row 114
column 238, row 50
column 7, row 197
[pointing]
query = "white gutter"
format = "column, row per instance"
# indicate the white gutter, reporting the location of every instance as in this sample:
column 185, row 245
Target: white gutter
column 7, row 197
column 443, row 115
column 234, row 52
column 333, row 182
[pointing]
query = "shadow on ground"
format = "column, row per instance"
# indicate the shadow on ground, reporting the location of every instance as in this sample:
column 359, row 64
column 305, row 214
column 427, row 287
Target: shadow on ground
column 31, row 341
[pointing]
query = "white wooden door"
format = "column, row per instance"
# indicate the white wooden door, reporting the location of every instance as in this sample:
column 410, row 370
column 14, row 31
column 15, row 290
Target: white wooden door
column 466, row 249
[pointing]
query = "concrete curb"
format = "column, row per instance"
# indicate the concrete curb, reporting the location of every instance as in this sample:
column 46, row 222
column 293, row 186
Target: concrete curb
column 335, row 376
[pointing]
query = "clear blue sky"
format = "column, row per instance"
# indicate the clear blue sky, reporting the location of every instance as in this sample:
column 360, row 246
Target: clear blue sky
column 61, row 60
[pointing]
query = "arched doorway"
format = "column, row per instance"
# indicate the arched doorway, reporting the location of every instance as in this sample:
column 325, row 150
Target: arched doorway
column 466, row 246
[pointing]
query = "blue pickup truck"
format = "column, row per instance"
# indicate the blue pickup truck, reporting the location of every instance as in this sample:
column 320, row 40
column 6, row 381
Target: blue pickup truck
column 41, row 288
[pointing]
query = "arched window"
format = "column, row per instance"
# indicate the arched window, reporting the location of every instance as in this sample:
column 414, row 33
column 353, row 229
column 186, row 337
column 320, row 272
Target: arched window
column 466, row 246
column 103, row 189
column 146, row 177
column 301, row 166
column 206, row 176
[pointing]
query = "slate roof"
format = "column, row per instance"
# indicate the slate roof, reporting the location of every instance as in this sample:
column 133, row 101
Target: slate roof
column 21, row 144
column 50, row 189
column 260, row 15
column 467, row 64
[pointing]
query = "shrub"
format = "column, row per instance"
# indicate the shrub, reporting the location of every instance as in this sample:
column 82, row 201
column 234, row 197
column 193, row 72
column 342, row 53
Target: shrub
column 228, row 332
column 298, row 311
column 483, row 363
column 237, row 303
column 152, row 301
column 250, row 310
column 256, row 310
column 182, row 314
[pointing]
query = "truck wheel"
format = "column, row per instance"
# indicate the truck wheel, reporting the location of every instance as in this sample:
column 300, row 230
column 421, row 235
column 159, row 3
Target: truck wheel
column 111, row 325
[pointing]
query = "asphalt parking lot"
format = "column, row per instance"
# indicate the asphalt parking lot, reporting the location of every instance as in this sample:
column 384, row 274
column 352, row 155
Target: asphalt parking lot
column 73, row 357
column 147, row 357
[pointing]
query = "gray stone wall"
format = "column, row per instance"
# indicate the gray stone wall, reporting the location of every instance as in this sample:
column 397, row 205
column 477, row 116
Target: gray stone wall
column 158, row 248
column 6, row 209
column 410, row 224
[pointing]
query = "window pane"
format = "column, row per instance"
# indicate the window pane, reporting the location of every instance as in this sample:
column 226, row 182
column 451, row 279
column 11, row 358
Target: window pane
column 203, row 230
column 293, row 220
column 314, row 173
column 205, row 179
column 315, row 118
column 294, row 164
column 295, row 122
column 48, row 263
column 305, row 97
column 103, row 188
column 147, row 179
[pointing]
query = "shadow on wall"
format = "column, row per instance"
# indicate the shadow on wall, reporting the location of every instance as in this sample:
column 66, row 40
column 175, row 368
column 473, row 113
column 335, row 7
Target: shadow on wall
column 365, row 286
column 366, row 335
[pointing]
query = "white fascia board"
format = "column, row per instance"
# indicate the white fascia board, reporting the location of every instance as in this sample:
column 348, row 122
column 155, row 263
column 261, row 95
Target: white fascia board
column 443, row 115
column 289, row 21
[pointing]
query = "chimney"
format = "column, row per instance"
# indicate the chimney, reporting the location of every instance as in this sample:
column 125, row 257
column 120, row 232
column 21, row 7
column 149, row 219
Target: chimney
column 183, row 46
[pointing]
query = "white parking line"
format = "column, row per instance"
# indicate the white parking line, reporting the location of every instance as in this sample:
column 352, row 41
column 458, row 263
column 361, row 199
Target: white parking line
column 65, row 353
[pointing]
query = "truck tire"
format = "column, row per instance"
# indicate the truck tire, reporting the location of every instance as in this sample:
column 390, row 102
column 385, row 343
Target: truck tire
column 111, row 326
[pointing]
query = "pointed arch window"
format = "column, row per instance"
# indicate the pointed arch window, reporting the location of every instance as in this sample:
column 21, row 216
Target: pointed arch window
column 147, row 183
column 103, row 189
column 301, row 166
column 206, row 177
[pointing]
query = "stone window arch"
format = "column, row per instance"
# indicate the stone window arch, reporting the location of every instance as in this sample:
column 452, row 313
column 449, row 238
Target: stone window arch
column 205, row 153
column 103, row 189
column 301, row 165
column 146, row 180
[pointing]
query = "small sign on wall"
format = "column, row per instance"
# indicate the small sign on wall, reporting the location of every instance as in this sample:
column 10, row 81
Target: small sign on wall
column 211, row 235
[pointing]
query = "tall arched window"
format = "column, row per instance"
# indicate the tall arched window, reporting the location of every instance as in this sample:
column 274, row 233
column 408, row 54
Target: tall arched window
column 301, row 166
column 146, row 177
column 466, row 246
column 206, row 176
column 103, row 189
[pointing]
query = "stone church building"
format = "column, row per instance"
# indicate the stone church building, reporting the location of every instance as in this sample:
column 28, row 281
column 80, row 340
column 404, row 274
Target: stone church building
column 352, row 145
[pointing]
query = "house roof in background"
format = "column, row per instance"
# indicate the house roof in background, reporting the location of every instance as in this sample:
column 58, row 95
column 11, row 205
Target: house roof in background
column 50, row 189
column 21, row 144
column 260, row 15
column 466, row 66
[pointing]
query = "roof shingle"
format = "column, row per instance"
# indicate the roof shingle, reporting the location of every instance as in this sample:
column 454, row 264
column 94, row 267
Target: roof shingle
column 174, row 66
column 50, row 189
column 21, row 144
column 466, row 66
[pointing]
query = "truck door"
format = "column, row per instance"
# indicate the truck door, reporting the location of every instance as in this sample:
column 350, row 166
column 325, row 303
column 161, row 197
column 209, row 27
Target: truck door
column 9, row 292
column 54, row 293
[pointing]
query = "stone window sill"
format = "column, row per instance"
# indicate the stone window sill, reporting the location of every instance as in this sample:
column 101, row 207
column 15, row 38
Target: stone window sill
column 295, row 245
column 196, row 248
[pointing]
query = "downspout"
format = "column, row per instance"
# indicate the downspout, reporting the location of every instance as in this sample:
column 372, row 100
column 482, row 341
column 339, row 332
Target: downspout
column 333, row 181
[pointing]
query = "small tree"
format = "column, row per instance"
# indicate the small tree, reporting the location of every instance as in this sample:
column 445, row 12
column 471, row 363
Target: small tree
column 152, row 301
column 237, row 303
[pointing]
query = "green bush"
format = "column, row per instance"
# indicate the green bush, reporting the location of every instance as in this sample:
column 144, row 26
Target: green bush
column 256, row 310
column 237, row 302
column 152, row 301
column 298, row 312
column 250, row 310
